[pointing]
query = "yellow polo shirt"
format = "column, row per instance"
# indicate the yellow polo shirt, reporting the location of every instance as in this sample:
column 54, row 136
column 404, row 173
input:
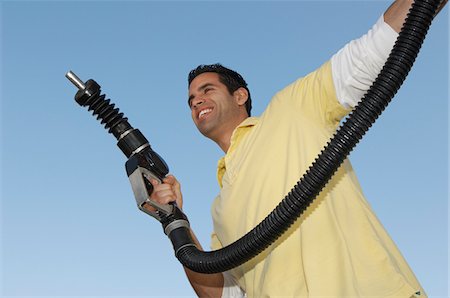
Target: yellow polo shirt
column 337, row 248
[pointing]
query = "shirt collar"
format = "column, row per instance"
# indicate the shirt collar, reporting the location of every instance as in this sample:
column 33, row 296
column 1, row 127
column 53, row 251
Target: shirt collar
column 238, row 134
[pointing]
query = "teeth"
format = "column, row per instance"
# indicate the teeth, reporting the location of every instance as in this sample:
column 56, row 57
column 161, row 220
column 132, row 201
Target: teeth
column 204, row 112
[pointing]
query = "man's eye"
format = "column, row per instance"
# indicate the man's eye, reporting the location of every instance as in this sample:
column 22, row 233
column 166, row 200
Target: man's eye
column 207, row 90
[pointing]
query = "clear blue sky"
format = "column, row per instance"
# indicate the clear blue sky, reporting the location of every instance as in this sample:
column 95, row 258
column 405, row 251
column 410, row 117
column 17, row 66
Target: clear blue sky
column 69, row 225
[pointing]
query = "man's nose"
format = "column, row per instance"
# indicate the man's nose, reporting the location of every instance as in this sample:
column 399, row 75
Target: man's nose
column 197, row 102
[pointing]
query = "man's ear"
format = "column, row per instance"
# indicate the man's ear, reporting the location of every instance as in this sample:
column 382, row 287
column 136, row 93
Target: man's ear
column 241, row 96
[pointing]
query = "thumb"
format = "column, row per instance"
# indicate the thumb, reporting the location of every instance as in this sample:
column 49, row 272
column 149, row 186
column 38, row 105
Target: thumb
column 170, row 180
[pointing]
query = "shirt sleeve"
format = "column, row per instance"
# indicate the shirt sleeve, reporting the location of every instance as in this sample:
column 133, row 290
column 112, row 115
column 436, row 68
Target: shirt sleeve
column 231, row 287
column 313, row 97
column 356, row 66
column 215, row 242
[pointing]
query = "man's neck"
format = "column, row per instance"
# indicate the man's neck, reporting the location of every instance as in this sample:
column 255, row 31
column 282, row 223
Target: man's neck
column 224, row 140
column 225, row 143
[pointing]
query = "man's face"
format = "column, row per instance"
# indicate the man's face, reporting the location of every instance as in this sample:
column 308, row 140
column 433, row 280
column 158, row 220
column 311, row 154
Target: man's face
column 213, row 108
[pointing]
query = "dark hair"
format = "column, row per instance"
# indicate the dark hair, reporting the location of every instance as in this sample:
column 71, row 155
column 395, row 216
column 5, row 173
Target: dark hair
column 231, row 79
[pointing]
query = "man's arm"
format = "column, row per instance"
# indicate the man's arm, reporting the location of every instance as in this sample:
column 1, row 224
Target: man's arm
column 357, row 65
column 205, row 285
column 395, row 15
column 213, row 285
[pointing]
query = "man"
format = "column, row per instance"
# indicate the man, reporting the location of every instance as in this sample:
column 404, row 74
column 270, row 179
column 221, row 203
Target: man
column 337, row 248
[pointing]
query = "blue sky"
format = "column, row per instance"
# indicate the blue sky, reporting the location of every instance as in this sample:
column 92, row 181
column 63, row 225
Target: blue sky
column 69, row 225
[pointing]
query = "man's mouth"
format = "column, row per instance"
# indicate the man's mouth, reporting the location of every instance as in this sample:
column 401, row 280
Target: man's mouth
column 204, row 113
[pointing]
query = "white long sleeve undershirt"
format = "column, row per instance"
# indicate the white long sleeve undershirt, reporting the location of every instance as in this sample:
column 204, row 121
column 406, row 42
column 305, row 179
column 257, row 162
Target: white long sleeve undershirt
column 356, row 66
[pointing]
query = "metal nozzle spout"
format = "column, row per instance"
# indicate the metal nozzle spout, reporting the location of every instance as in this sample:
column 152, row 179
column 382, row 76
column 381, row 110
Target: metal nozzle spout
column 75, row 80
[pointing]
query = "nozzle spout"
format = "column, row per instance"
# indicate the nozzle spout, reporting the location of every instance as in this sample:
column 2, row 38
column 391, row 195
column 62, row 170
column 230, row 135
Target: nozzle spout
column 75, row 80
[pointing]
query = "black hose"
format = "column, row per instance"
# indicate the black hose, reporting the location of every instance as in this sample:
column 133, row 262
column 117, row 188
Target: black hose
column 331, row 157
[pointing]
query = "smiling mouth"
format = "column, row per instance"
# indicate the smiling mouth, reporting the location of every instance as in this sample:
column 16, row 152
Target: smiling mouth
column 204, row 113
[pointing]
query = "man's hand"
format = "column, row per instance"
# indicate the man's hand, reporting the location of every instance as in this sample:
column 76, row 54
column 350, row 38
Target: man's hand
column 395, row 15
column 441, row 5
column 166, row 192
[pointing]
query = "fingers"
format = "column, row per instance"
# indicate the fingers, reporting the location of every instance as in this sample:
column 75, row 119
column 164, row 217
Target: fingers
column 177, row 191
column 162, row 193
column 170, row 179
column 166, row 192
column 176, row 187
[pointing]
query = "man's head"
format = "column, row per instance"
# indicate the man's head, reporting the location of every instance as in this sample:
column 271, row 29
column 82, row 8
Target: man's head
column 218, row 99
column 231, row 79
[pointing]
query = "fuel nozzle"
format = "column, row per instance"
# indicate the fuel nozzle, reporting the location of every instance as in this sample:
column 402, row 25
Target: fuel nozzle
column 89, row 95
column 143, row 163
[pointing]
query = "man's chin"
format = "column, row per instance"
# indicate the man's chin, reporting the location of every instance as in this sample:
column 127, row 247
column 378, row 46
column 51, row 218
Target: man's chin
column 206, row 131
